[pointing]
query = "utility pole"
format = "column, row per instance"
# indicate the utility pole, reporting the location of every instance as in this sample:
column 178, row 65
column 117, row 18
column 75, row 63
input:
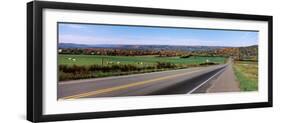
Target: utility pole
column 102, row 61
column 239, row 54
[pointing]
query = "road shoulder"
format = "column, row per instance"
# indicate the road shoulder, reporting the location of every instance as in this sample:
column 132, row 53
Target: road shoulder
column 225, row 82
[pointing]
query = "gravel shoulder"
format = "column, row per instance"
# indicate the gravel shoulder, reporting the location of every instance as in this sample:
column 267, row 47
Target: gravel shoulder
column 225, row 82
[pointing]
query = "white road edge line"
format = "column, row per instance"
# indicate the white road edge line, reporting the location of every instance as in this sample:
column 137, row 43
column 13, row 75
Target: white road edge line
column 204, row 82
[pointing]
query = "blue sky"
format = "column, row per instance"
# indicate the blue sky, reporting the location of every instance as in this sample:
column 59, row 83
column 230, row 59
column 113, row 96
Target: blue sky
column 113, row 34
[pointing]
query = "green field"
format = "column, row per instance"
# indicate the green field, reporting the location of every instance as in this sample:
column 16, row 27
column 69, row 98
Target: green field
column 93, row 66
column 133, row 60
column 247, row 74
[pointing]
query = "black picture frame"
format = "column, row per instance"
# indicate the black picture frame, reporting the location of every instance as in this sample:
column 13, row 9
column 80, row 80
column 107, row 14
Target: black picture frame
column 34, row 60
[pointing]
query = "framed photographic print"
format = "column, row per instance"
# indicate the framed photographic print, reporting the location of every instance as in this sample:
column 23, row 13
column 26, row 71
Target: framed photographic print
column 96, row 61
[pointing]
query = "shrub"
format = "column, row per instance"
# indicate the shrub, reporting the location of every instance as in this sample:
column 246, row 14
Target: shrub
column 72, row 72
column 208, row 63
column 161, row 65
column 186, row 56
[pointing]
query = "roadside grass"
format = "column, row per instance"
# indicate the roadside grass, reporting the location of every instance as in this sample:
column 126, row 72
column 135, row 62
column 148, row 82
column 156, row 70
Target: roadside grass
column 98, row 74
column 247, row 74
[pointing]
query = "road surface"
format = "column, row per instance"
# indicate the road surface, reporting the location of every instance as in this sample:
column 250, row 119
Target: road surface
column 225, row 82
column 183, row 81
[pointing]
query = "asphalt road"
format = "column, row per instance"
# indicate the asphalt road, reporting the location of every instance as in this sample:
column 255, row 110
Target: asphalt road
column 183, row 81
column 225, row 82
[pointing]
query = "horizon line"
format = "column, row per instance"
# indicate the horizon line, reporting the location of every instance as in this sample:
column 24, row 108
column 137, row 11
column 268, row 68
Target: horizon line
column 160, row 45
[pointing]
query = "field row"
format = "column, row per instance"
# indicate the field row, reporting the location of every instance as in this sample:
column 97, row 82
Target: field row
column 93, row 66
column 135, row 60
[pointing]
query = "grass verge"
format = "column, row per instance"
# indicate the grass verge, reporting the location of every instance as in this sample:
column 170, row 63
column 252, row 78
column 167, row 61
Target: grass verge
column 247, row 74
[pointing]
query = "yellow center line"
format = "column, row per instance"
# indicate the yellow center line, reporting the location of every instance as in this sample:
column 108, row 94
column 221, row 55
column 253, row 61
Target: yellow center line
column 106, row 90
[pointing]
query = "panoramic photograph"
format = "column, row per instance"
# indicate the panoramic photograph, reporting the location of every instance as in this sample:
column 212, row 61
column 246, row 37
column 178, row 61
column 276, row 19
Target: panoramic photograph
column 104, row 60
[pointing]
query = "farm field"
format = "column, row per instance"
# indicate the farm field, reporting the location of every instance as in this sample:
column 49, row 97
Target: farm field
column 133, row 60
column 94, row 66
column 247, row 74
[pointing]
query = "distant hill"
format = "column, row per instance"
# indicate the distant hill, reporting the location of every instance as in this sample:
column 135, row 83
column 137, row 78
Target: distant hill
column 71, row 45
column 249, row 53
column 141, row 47
column 240, row 53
